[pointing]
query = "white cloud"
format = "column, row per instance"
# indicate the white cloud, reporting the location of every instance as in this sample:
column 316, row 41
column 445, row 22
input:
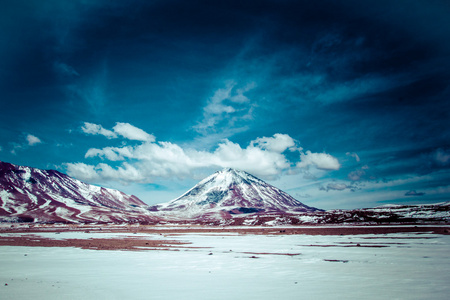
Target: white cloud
column 143, row 162
column 95, row 129
column 215, row 104
column 82, row 171
column 353, row 154
column 124, row 171
column 30, row 141
column 125, row 130
column 253, row 159
column 110, row 153
column 337, row 186
column 165, row 159
column 278, row 143
column 132, row 133
column 322, row 161
column 104, row 172
column 229, row 107
column 33, row 140
column 340, row 186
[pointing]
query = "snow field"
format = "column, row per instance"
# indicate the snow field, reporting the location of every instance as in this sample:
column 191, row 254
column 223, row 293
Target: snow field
column 412, row 266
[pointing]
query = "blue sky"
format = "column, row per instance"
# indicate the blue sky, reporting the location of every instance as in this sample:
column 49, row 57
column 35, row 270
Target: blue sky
column 342, row 104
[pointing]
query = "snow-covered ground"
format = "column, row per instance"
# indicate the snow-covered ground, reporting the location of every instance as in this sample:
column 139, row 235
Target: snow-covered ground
column 234, row 266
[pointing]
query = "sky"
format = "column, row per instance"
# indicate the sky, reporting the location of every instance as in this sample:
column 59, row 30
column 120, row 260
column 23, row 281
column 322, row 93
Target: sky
column 342, row 104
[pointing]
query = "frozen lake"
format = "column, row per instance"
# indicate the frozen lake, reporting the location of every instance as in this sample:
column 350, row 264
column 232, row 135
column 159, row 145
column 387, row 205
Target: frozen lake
column 234, row 266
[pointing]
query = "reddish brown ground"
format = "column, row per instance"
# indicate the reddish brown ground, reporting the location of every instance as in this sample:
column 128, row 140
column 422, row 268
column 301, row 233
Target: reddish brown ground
column 95, row 244
column 131, row 243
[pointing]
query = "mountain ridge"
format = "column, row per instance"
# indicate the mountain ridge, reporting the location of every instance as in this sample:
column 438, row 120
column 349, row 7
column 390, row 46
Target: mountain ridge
column 227, row 197
column 37, row 195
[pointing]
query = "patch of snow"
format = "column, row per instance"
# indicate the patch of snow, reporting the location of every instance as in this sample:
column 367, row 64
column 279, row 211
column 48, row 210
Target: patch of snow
column 27, row 173
column 5, row 197
column 241, row 266
column 33, row 198
column 308, row 219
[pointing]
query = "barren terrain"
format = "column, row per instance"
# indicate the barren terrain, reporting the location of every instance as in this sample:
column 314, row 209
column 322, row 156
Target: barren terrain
column 200, row 262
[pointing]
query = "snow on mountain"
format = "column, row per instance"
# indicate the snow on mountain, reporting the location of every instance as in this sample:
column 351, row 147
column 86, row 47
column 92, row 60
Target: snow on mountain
column 231, row 192
column 29, row 194
column 227, row 197
column 437, row 211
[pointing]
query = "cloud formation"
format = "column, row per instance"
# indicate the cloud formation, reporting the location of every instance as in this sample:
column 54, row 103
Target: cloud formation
column 125, row 130
column 322, row 161
column 353, row 154
column 30, row 141
column 264, row 157
column 358, row 174
column 96, row 129
column 339, row 186
column 227, row 109
column 132, row 133
column 278, row 143
column 33, row 140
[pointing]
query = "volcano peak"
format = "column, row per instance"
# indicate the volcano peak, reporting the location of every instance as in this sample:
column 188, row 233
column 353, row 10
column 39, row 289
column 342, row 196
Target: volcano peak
column 233, row 191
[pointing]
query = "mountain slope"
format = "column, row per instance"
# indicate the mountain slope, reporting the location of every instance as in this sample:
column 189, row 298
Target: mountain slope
column 30, row 194
column 230, row 192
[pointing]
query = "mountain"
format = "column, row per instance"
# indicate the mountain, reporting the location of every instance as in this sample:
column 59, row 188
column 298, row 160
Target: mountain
column 227, row 197
column 231, row 192
column 437, row 213
column 34, row 195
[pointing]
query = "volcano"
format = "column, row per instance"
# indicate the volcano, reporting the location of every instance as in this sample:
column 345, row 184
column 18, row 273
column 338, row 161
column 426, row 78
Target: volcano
column 229, row 192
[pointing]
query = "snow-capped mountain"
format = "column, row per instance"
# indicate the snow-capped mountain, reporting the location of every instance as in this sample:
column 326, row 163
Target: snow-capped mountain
column 29, row 194
column 227, row 197
column 230, row 192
